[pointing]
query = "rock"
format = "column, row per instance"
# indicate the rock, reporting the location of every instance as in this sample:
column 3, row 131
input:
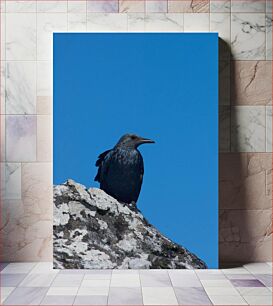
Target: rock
column 92, row 230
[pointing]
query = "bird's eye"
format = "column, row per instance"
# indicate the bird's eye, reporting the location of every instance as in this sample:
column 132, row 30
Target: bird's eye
column 133, row 137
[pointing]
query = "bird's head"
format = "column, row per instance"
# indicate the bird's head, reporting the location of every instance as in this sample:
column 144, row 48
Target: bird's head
column 132, row 141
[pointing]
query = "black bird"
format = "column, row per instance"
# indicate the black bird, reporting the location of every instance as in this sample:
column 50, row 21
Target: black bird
column 121, row 169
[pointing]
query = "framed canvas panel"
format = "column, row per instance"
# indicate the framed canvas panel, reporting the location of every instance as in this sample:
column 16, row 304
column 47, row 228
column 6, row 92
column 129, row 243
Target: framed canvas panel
column 135, row 150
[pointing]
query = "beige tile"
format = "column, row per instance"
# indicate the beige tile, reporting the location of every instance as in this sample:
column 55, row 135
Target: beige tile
column 224, row 128
column 44, row 138
column 251, row 83
column 188, row 6
column 224, row 82
column 242, row 181
column 131, row 6
column 156, row 6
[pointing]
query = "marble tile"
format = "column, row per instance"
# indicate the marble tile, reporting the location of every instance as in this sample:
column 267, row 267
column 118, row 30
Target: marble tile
column 20, row 88
column 3, row 265
column 248, row 6
column 182, row 280
column 131, row 6
column 38, row 280
column 44, row 268
column 77, row 22
column 47, row 23
column 3, row 87
column 3, row 35
column 156, row 6
column 227, row 300
column 248, row 129
column 123, row 280
column 77, row 6
column 44, row 78
column 258, row 299
column 3, row 138
column 269, row 6
column 12, row 280
column 20, row 138
column 58, row 6
column 192, row 296
column 160, row 22
column 210, row 274
column 247, row 291
column 196, row 22
column 90, row 300
column 268, row 23
column 21, row 6
column 62, row 291
column 125, row 296
column 188, row 6
column 224, row 128
column 246, row 283
column 26, row 296
column 12, row 174
column 268, row 128
column 44, row 138
column 18, row 267
column 102, row 6
column 251, row 83
column 159, row 296
column 245, row 232
column 5, row 292
column 20, row 36
column 150, row 279
column 240, row 276
column 37, row 189
column 220, row 6
column 224, row 82
column 258, row 268
column 242, row 181
column 106, row 22
column 266, row 279
column 3, row 6
column 220, row 23
column 44, row 105
column 58, row 300
column 228, row 291
column 67, row 280
column 248, row 36
column 136, row 22
column 96, row 283
column 93, row 291
column 97, row 276
column 236, row 271
column 216, row 283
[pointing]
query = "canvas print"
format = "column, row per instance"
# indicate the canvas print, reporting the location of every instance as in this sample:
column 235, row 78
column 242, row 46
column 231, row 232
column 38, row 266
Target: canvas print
column 135, row 150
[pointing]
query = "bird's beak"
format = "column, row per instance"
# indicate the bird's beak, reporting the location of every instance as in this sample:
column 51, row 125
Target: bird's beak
column 145, row 140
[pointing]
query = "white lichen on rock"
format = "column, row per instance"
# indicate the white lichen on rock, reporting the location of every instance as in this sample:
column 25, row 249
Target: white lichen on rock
column 92, row 230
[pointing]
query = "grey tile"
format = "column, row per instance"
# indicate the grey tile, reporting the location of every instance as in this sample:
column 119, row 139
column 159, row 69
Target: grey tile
column 192, row 296
column 91, row 300
column 38, row 280
column 125, row 296
column 72, row 271
column 26, row 296
column 11, row 280
column 58, row 300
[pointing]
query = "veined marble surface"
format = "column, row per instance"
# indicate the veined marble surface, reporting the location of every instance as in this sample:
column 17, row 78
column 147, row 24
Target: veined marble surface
column 245, row 112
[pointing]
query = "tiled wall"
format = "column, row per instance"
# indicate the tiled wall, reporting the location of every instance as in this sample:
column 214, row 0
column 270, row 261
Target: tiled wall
column 245, row 28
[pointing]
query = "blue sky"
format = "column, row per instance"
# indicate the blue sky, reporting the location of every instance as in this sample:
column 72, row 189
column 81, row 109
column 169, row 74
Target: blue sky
column 160, row 86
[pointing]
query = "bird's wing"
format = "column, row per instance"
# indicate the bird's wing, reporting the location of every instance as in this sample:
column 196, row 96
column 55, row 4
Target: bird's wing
column 99, row 163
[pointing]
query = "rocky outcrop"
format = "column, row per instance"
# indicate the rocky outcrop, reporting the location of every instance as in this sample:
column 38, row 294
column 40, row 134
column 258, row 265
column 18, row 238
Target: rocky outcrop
column 92, row 230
